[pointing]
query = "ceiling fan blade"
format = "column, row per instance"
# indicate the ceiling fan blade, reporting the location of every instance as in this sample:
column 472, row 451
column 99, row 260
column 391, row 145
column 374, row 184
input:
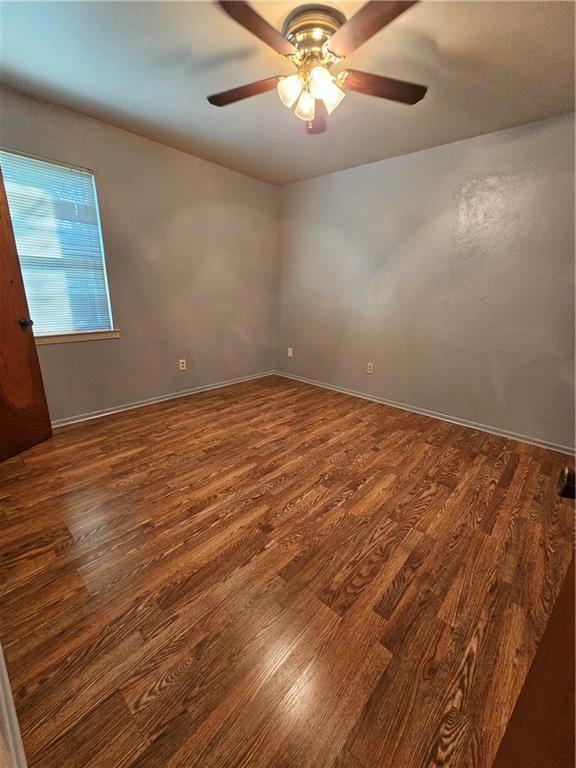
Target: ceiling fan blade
column 247, row 17
column 318, row 125
column 383, row 87
column 243, row 92
column 365, row 23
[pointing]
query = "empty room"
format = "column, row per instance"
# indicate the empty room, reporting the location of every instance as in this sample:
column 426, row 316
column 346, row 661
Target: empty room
column 287, row 429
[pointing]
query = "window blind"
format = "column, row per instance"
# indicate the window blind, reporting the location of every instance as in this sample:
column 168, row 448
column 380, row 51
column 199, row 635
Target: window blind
column 54, row 212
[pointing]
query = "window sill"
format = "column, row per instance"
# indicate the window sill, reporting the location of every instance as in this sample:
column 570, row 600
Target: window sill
column 64, row 338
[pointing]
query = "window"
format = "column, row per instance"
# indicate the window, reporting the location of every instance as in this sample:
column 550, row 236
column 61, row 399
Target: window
column 54, row 211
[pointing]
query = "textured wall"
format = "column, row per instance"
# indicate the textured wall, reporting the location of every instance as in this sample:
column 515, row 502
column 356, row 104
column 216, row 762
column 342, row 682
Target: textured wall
column 191, row 255
column 451, row 269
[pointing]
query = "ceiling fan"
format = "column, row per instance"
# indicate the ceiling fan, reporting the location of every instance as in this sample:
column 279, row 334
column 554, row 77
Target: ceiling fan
column 317, row 38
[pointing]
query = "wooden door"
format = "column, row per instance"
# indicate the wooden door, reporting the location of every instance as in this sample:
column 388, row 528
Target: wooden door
column 24, row 419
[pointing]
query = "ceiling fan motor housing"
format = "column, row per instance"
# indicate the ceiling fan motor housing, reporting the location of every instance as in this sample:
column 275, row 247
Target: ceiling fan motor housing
column 308, row 27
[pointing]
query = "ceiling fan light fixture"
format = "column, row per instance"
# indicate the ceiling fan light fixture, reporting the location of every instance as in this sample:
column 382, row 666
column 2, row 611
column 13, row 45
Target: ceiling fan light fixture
column 316, row 39
column 289, row 89
column 306, row 106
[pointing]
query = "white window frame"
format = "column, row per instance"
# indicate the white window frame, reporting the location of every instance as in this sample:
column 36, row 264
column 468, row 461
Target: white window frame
column 64, row 337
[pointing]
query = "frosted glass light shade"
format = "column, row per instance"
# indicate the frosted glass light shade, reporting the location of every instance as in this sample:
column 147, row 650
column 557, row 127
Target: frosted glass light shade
column 289, row 89
column 320, row 80
column 306, row 106
column 332, row 97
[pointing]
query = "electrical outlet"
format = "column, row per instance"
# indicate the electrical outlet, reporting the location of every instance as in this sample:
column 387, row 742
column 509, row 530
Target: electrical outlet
column 290, row 351
column 182, row 364
column 370, row 368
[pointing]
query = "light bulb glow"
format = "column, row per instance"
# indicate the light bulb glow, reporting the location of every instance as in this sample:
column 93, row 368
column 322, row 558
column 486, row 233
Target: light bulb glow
column 320, row 80
column 332, row 97
column 289, row 89
column 306, row 106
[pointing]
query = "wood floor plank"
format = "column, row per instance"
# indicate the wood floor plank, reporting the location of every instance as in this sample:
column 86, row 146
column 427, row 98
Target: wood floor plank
column 273, row 574
column 88, row 742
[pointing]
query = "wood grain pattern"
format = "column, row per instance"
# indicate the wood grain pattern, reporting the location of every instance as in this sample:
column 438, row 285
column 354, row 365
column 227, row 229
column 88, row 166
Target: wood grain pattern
column 24, row 419
column 272, row 574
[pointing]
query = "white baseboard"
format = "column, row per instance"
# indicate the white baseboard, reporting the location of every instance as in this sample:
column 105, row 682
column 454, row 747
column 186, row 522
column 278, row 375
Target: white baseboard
column 11, row 748
column 159, row 399
column 355, row 393
column 433, row 414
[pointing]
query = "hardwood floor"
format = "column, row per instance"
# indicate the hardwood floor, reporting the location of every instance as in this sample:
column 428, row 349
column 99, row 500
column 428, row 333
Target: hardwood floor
column 273, row 574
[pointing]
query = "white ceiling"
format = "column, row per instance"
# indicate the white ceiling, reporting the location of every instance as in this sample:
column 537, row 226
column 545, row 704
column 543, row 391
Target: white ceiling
column 148, row 66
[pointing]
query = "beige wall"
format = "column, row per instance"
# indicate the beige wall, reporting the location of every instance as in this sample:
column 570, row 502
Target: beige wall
column 191, row 255
column 451, row 269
